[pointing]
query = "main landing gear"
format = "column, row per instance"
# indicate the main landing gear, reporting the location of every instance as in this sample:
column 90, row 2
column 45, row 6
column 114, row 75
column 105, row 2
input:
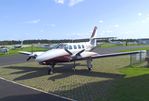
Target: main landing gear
column 51, row 67
column 89, row 64
column 74, row 66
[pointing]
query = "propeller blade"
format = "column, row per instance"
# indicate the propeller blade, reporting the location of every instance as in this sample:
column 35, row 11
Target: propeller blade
column 68, row 51
column 80, row 52
column 28, row 58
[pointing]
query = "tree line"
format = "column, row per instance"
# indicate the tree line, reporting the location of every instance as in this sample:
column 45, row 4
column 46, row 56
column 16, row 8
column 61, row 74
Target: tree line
column 45, row 41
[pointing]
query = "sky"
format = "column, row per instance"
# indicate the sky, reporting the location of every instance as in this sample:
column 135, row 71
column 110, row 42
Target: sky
column 73, row 19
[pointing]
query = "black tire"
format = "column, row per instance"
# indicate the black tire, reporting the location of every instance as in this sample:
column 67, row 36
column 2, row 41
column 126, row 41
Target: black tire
column 50, row 71
column 89, row 69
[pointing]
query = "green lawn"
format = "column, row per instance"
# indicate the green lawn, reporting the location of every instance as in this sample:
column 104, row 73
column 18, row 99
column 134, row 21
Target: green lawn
column 109, row 45
column 136, row 49
column 134, row 87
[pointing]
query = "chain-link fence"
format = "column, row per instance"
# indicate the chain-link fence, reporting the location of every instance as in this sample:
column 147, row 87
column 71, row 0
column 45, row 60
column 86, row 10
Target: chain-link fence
column 138, row 57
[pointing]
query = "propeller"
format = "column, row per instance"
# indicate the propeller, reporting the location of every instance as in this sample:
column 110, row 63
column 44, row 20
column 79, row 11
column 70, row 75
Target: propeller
column 31, row 56
column 75, row 55
column 78, row 54
column 67, row 51
column 28, row 58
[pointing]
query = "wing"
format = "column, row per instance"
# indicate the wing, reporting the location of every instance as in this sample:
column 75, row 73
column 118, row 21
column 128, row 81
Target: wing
column 114, row 54
column 96, row 55
column 30, row 53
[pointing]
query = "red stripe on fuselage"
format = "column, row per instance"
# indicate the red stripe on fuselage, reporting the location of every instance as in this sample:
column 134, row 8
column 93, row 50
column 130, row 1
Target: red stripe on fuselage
column 65, row 58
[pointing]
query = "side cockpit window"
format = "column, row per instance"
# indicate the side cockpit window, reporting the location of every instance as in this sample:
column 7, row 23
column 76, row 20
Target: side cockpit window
column 79, row 47
column 74, row 46
column 70, row 47
column 83, row 46
column 66, row 47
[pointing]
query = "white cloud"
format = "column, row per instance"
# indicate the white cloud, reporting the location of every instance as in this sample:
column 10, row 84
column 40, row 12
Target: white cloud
column 100, row 21
column 146, row 20
column 116, row 26
column 139, row 14
column 74, row 2
column 33, row 21
column 59, row 1
column 69, row 2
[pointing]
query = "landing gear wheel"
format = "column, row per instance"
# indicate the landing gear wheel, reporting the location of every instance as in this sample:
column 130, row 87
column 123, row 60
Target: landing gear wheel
column 50, row 71
column 74, row 65
column 51, row 67
column 90, row 67
column 89, row 64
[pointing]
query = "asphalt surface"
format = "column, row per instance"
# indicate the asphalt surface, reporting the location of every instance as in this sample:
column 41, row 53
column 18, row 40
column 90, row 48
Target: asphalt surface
column 12, row 59
column 14, row 92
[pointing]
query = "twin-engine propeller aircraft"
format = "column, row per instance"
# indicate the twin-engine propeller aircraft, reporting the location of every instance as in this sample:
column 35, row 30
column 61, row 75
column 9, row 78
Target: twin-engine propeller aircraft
column 70, row 52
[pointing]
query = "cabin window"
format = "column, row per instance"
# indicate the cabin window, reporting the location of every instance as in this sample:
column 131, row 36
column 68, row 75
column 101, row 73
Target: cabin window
column 74, row 46
column 82, row 46
column 70, row 47
column 79, row 47
column 66, row 47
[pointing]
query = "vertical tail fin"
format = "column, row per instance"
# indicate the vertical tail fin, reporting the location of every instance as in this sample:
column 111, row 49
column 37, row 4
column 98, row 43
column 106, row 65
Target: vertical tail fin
column 92, row 38
column 94, row 31
column 21, row 43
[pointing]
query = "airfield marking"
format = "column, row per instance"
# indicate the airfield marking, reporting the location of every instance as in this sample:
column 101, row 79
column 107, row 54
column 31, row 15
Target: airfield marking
column 37, row 89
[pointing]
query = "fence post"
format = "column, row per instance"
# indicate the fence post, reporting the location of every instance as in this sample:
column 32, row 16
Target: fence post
column 140, row 55
column 130, row 59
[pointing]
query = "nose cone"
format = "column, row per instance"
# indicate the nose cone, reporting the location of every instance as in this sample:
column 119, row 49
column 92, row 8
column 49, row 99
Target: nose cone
column 51, row 54
column 39, row 59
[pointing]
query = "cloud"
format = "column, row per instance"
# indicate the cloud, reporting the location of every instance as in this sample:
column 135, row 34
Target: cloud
column 139, row 14
column 146, row 20
column 116, row 26
column 74, row 2
column 68, row 2
column 33, row 21
column 100, row 21
column 59, row 1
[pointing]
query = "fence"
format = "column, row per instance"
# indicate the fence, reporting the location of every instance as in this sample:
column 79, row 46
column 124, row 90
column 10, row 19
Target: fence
column 139, row 57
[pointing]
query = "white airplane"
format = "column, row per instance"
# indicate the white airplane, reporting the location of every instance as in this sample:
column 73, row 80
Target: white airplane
column 70, row 52
column 4, row 50
column 116, row 42
column 18, row 45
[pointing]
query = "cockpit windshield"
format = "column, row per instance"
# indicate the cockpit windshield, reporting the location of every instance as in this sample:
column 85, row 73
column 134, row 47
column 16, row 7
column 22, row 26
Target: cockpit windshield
column 61, row 46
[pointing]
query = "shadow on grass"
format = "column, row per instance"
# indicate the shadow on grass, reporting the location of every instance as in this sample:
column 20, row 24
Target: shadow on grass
column 27, row 72
column 123, row 89
column 62, row 72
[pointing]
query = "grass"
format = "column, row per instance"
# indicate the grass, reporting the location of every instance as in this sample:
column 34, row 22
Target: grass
column 136, row 49
column 16, row 51
column 134, row 87
column 109, row 45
